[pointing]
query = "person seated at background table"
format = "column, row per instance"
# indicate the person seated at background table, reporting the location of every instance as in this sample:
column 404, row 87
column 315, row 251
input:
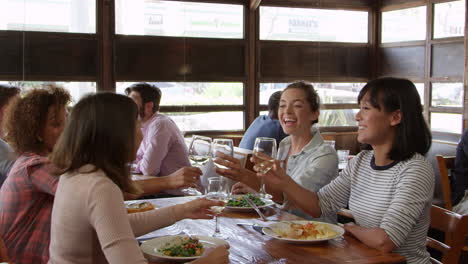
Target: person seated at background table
column 7, row 155
column 459, row 179
column 32, row 125
column 163, row 151
column 265, row 125
column 389, row 186
column 306, row 158
column 89, row 220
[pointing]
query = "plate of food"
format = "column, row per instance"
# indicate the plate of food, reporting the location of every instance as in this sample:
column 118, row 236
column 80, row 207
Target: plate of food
column 180, row 247
column 238, row 202
column 303, row 232
column 137, row 207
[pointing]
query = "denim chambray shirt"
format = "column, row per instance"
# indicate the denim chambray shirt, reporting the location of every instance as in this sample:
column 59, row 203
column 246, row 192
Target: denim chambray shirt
column 313, row 167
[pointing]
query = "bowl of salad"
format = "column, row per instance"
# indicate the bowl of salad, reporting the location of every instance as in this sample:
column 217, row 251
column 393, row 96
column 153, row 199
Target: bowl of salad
column 179, row 248
column 238, row 202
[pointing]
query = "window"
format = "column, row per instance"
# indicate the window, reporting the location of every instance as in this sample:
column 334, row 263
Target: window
column 449, row 19
column 196, row 93
column 204, row 121
column 420, row 88
column 447, row 94
column 77, row 16
column 305, row 24
column 76, row 89
column 179, row 19
column 330, row 93
column 200, row 94
column 446, row 122
column 404, row 25
column 338, row 117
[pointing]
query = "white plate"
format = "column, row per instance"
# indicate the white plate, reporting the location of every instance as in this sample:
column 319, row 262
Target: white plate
column 150, row 247
column 269, row 232
column 248, row 209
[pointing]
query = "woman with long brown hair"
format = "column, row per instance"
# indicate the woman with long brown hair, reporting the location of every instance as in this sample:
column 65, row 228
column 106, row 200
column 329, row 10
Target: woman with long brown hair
column 89, row 220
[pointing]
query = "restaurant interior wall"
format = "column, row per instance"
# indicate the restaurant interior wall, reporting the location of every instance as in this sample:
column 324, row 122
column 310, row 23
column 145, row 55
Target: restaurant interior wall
column 103, row 58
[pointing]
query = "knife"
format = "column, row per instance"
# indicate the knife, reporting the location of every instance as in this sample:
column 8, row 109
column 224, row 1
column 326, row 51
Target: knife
column 255, row 227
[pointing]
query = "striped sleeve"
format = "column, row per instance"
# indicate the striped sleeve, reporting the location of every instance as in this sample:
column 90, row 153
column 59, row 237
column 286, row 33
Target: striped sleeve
column 335, row 195
column 413, row 192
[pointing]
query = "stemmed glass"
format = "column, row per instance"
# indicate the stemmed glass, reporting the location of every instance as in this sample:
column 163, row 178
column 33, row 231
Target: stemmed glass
column 264, row 151
column 217, row 191
column 199, row 154
column 222, row 145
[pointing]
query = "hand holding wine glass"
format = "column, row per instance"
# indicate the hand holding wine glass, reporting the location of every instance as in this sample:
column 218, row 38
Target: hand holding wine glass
column 199, row 154
column 217, row 191
column 221, row 145
column 264, row 152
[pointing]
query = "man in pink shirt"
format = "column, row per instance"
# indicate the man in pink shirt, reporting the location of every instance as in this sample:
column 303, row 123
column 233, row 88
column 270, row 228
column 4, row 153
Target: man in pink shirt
column 162, row 152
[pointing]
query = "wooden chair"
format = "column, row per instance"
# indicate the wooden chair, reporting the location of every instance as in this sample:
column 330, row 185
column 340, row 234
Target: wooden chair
column 455, row 227
column 445, row 164
column 3, row 252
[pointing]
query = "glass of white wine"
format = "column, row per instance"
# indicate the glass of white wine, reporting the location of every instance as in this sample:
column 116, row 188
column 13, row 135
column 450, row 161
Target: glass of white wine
column 217, row 191
column 222, row 145
column 264, row 151
column 199, row 154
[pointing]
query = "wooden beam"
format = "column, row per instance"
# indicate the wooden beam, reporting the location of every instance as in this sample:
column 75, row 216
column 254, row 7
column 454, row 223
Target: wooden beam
column 254, row 4
column 105, row 13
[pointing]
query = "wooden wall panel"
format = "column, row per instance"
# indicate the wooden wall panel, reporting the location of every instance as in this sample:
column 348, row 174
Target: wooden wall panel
column 48, row 56
column 360, row 4
column 313, row 62
column 405, row 62
column 391, row 4
column 447, row 60
column 11, row 54
column 158, row 58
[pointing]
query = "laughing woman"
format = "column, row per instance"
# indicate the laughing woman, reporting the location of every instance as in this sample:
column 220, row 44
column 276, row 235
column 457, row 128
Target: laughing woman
column 388, row 187
column 307, row 160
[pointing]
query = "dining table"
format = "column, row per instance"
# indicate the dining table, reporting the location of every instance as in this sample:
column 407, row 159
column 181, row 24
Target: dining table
column 249, row 245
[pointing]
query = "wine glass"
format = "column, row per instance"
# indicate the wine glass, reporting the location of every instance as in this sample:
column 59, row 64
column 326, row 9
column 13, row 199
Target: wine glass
column 222, row 145
column 264, row 151
column 198, row 154
column 217, row 191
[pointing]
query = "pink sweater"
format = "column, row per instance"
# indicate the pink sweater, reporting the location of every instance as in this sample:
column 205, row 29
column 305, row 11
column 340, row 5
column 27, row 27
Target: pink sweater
column 90, row 223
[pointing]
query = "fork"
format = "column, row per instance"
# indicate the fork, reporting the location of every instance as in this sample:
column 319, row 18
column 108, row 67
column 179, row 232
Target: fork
column 255, row 207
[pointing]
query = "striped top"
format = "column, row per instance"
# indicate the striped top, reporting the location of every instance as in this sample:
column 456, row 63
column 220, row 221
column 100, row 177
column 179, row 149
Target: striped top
column 396, row 198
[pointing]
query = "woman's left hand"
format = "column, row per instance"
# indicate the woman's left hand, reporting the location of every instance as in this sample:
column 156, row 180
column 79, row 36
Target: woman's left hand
column 198, row 209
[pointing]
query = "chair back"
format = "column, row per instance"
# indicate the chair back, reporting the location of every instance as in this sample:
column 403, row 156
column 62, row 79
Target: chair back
column 3, row 252
column 455, row 227
column 445, row 164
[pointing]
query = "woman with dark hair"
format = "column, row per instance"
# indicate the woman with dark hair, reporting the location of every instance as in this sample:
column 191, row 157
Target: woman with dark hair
column 389, row 187
column 307, row 160
column 33, row 124
column 89, row 220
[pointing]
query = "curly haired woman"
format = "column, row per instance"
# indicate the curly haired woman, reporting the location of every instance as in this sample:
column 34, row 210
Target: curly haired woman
column 32, row 126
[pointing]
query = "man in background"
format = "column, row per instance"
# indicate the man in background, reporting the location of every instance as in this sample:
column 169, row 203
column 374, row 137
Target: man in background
column 163, row 151
column 459, row 180
column 7, row 155
column 265, row 125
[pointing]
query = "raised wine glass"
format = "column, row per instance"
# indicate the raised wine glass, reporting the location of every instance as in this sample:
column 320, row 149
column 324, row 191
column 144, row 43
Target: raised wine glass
column 222, row 145
column 199, row 154
column 264, row 151
column 217, row 191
